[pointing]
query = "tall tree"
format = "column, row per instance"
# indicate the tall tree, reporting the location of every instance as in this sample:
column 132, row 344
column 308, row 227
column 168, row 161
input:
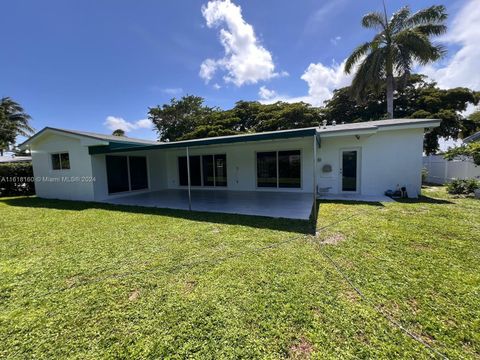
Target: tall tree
column 14, row 121
column 401, row 41
column 417, row 99
column 180, row 117
column 118, row 132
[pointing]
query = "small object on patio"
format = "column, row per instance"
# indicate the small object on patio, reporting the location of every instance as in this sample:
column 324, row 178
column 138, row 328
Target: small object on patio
column 397, row 194
column 404, row 192
column 389, row 193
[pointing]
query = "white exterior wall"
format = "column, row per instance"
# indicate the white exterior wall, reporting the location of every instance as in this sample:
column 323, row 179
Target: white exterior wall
column 387, row 158
column 441, row 171
column 53, row 183
column 241, row 163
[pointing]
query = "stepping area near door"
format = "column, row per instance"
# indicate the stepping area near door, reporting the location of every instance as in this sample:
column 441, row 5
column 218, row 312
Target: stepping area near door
column 259, row 203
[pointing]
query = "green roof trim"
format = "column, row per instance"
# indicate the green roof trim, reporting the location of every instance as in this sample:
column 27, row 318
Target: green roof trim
column 276, row 135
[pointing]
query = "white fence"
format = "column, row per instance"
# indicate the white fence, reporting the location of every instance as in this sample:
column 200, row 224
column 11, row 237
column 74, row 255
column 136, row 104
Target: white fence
column 441, row 171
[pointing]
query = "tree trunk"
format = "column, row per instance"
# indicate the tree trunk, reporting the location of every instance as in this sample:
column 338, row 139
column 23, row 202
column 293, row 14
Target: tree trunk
column 390, row 96
column 1, row 152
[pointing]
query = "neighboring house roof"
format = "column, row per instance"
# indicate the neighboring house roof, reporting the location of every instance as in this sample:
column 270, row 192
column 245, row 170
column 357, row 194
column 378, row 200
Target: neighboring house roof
column 379, row 125
column 472, row 138
column 90, row 135
column 13, row 159
column 113, row 144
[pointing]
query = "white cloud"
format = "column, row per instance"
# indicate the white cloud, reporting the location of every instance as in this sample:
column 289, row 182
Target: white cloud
column 321, row 80
column 246, row 61
column 114, row 123
column 266, row 94
column 335, row 40
column 216, row 86
column 462, row 68
column 172, row 91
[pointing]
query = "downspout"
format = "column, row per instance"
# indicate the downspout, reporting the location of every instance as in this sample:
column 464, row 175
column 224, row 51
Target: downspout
column 188, row 178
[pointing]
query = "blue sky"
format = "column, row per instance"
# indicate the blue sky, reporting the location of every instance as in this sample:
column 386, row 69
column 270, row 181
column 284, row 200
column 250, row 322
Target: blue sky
column 75, row 64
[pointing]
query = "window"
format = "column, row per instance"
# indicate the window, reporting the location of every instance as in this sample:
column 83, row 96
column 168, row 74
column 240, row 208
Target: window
column 267, row 169
column 220, row 170
column 279, row 169
column 208, row 170
column 205, row 170
column 289, row 169
column 126, row 173
column 60, row 161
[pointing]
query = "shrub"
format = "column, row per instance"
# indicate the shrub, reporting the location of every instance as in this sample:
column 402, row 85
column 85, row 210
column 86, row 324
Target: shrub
column 464, row 187
column 16, row 179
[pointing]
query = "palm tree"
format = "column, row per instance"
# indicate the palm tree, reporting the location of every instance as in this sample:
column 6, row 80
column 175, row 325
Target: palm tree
column 13, row 121
column 401, row 42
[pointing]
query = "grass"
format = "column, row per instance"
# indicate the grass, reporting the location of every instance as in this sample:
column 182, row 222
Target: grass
column 88, row 281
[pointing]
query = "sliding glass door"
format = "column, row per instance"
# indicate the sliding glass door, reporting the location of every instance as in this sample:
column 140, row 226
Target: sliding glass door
column 126, row 173
column 205, row 170
column 279, row 169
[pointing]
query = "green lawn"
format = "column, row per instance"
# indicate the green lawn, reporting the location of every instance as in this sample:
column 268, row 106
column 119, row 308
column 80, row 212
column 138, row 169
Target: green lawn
column 88, row 281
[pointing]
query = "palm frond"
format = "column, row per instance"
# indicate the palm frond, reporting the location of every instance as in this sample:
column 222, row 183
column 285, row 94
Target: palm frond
column 370, row 74
column 432, row 15
column 431, row 29
column 398, row 20
column 419, row 46
column 356, row 55
column 374, row 20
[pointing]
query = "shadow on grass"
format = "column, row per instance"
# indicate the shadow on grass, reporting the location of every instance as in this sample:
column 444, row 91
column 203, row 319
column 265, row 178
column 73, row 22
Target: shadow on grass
column 423, row 199
column 261, row 222
column 351, row 202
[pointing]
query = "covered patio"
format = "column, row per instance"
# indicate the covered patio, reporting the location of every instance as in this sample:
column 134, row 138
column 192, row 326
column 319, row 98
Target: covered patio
column 259, row 203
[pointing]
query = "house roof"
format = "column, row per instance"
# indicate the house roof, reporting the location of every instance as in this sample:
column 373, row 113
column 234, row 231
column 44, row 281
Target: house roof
column 112, row 144
column 13, row 159
column 329, row 130
column 230, row 139
column 379, row 125
column 472, row 138
column 91, row 135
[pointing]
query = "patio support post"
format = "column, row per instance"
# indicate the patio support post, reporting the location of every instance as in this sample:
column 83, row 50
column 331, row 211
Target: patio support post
column 188, row 181
column 314, row 183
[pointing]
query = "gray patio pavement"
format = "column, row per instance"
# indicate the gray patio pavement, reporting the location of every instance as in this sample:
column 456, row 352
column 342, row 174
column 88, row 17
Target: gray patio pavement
column 260, row 203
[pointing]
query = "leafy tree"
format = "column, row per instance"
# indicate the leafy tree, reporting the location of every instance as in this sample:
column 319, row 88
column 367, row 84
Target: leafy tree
column 417, row 99
column 14, row 121
column 188, row 118
column 118, row 132
column 472, row 150
column 401, row 41
column 174, row 120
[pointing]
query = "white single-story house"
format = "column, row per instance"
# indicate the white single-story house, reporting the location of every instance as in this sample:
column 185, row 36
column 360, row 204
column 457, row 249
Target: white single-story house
column 278, row 173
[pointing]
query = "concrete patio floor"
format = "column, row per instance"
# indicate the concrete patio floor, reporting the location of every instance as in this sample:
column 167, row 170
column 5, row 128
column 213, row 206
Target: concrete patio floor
column 260, row 203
